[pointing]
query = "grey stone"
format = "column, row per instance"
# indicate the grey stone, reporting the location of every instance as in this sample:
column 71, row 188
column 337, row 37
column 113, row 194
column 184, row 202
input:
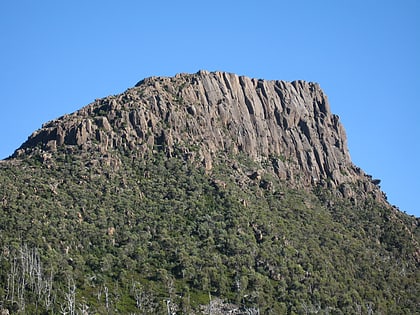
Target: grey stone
column 207, row 113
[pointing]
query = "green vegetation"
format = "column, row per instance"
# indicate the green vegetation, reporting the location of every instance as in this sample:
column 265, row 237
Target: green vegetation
column 159, row 234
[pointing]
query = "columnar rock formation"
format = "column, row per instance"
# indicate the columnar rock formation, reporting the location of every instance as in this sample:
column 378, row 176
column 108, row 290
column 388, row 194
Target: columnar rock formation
column 205, row 114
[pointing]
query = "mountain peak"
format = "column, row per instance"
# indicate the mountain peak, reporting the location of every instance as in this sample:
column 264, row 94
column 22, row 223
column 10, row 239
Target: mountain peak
column 286, row 124
column 198, row 192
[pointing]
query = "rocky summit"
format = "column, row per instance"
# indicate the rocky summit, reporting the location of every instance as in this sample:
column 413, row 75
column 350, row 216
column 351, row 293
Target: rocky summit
column 205, row 193
column 205, row 114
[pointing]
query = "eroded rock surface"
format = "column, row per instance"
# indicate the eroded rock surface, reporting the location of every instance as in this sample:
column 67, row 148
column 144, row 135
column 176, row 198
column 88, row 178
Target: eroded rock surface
column 201, row 115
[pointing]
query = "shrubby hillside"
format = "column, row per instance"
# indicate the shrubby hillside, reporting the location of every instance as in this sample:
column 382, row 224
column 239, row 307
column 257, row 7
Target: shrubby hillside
column 201, row 194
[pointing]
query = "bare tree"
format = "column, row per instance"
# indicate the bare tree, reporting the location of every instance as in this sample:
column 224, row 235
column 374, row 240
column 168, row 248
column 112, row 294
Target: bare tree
column 11, row 280
column 83, row 309
column 99, row 294
column 137, row 292
column 106, row 298
column 170, row 307
column 70, row 297
column 63, row 309
column 369, row 306
column 47, row 292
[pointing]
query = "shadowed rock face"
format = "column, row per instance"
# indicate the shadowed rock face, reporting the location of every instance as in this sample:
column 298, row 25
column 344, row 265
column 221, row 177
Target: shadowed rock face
column 201, row 115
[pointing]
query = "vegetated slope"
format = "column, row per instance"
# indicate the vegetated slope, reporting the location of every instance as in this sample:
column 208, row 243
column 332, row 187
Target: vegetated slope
column 201, row 193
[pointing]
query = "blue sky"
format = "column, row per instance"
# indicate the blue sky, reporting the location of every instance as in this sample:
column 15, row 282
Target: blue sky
column 57, row 56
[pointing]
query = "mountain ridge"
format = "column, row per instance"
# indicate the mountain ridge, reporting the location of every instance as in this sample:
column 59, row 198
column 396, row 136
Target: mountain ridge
column 196, row 194
column 289, row 123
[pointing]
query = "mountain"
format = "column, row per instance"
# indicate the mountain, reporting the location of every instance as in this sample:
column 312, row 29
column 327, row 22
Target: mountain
column 202, row 193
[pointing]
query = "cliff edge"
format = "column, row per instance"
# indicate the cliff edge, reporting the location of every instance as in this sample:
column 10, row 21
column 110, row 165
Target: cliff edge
column 201, row 115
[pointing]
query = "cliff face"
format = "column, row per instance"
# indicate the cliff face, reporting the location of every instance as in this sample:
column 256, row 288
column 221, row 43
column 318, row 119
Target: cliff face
column 186, row 189
column 201, row 115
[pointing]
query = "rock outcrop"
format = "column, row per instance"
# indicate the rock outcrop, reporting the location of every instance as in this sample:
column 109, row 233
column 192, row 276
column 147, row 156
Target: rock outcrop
column 288, row 124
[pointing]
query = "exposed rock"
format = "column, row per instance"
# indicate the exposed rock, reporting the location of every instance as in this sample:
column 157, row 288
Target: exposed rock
column 288, row 124
column 103, row 123
column 376, row 182
column 255, row 175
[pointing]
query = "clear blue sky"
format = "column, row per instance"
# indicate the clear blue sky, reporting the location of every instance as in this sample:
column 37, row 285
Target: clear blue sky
column 57, row 56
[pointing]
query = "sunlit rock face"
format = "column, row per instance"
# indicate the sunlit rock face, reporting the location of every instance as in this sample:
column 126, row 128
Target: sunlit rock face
column 288, row 124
